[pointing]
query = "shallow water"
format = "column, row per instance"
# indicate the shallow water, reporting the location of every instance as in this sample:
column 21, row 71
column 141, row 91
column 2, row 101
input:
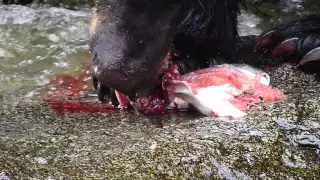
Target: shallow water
column 278, row 141
column 37, row 43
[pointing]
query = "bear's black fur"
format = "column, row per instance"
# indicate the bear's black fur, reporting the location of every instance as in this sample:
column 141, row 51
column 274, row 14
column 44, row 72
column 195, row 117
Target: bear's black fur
column 130, row 38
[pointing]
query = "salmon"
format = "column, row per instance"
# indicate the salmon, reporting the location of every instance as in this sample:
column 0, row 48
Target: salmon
column 224, row 90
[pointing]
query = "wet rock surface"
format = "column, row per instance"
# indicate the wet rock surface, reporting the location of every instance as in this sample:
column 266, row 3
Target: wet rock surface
column 275, row 141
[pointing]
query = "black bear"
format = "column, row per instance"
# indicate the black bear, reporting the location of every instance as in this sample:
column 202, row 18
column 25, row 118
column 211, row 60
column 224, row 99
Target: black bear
column 130, row 38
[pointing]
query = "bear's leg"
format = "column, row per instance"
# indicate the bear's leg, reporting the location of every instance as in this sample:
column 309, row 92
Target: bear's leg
column 297, row 42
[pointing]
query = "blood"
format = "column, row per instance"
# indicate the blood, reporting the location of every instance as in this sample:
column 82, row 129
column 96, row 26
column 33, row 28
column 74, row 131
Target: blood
column 153, row 105
column 67, row 92
column 69, row 86
column 81, row 107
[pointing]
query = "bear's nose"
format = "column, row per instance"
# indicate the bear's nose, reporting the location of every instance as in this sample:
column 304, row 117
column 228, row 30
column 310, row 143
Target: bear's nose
column 130, row 85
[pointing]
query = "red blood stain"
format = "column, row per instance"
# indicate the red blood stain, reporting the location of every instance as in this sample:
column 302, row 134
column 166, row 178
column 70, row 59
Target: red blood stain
column 67, row 92
column 81, row 107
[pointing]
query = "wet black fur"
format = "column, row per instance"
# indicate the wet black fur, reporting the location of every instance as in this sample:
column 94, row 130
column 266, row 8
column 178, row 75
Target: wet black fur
column 306, row 29
column 208, row 34
column 305, row 25
column 306, row 32
column 203, row 32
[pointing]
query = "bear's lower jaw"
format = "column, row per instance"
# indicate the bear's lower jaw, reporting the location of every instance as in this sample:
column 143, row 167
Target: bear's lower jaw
column 153, row 104
column 151, row 99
